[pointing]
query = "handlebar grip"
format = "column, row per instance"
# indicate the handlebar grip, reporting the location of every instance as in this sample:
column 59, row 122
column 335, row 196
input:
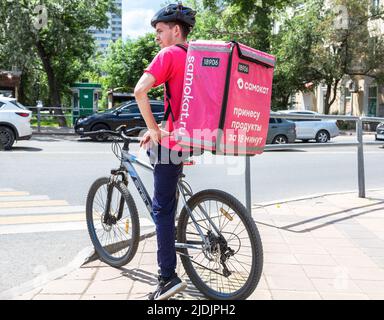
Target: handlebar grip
column 131, row 139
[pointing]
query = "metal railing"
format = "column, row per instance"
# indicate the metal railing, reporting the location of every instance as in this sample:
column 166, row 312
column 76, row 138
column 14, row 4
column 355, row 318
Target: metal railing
column 47, row 112
column 359, row 144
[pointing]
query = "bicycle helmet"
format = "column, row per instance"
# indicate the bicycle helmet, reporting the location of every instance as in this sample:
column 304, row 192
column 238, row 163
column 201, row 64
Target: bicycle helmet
column 175, row 13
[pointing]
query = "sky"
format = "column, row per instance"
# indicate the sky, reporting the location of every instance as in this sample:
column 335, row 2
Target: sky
column 137, row 15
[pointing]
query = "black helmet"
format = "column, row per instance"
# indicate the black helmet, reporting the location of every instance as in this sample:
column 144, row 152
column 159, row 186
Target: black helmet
column 175, row 13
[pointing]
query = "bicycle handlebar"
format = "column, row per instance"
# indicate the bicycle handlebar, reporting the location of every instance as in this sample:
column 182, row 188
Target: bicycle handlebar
column 120, row 132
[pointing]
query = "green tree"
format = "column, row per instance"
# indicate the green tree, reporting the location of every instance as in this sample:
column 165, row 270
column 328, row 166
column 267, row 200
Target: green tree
column 247, row 21
column 317, row 46
column 56, row 32
column 125, row 63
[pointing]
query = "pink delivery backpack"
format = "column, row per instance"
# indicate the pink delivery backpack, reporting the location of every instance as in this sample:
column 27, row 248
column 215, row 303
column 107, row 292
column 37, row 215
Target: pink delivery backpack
column 226, row 98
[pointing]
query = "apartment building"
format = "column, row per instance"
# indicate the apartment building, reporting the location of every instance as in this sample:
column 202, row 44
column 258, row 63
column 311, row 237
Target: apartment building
column 105, row 36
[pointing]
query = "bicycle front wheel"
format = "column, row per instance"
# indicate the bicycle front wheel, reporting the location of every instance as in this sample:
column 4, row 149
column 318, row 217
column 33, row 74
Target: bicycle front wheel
column 115, row 233
column 230, row 267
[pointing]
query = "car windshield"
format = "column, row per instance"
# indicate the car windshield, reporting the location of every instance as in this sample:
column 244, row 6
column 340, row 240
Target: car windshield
column 18, row 104
column 117, row 107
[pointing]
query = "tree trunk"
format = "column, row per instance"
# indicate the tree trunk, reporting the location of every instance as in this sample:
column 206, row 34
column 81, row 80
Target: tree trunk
column 331, row 88
column 327, row 105
column 54, row 92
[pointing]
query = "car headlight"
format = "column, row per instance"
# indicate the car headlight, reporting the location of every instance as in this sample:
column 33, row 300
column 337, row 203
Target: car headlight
column 82, row 120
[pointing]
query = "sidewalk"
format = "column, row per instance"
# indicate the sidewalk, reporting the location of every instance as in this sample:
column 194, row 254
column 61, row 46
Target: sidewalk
column 322, row 247
column 53, row 131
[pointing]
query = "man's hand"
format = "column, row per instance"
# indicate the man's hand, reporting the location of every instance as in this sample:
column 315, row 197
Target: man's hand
column 146, row 138
column 155, row 135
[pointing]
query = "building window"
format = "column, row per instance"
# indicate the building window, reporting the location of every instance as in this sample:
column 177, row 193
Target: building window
column 372, row 101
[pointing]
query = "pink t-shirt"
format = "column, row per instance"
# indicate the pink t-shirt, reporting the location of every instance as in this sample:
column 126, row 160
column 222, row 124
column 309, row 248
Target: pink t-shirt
column 169, row 65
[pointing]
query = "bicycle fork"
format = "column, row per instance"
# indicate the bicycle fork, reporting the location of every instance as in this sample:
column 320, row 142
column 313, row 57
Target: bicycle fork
column 108, row 218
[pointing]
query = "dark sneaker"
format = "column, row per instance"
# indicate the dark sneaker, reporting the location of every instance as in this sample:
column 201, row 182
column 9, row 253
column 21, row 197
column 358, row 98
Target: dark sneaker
column 167, row 288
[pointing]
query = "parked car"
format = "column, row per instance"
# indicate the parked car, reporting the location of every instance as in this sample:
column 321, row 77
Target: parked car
column 380, row 131
column 127, row 113
column 15, row 122
column 281, row 131
column 313, row 129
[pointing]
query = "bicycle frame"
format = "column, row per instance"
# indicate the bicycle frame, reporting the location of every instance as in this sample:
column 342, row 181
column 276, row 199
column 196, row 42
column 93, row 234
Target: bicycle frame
column 127, row 166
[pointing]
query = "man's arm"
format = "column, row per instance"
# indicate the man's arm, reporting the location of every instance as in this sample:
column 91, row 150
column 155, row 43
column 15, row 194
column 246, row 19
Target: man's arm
column 145, row 84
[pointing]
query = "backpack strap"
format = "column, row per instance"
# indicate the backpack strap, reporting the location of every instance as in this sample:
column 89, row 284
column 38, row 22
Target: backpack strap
column 168, row 96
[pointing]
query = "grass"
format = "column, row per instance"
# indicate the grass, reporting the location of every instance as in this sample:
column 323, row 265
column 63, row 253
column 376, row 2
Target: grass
column 50, row 121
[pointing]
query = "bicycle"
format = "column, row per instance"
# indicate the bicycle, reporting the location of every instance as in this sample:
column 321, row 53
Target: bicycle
column 214, row 230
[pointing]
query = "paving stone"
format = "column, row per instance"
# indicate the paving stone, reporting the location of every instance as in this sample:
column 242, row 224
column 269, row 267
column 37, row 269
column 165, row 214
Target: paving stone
column 295, row 295
column 105, row 297
column 289, row 283
column 368, row 286
column 339, row 284
column 280, row 258
column 120, row 286
column 65, row 287
column 81, row 274
column 343, row 296
column 260, row 295
column 57, row 297
column 315, row 259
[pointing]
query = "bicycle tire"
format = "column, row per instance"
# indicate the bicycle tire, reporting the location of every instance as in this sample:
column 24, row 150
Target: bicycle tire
column 257, row 250
column 104, row 253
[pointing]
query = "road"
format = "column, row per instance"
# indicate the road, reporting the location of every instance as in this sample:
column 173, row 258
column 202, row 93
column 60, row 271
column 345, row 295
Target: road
column 63, row 168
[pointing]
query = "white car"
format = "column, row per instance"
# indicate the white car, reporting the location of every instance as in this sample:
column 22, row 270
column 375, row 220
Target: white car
column 313, row 129
column 15, row 122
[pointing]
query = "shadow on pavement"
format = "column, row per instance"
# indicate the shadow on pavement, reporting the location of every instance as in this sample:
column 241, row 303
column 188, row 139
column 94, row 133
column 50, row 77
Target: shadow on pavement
column 290, row 227
column 150, row 278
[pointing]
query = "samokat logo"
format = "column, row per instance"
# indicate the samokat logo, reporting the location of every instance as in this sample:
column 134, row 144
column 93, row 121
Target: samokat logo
column 243, row 68
column 240, row 83
column 252, row 87
column 211, row 62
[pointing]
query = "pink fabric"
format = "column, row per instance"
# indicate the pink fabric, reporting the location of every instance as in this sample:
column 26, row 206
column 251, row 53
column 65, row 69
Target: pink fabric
column 169, row 65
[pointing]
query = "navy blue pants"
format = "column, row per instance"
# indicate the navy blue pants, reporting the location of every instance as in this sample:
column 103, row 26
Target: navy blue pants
column 164, row 205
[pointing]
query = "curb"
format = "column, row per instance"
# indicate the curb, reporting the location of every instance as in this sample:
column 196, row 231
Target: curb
column 47, row 277
column 93, row 256
column 308, row 197
column 85, row 256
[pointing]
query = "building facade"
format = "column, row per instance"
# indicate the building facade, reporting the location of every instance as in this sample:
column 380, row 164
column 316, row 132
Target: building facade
column 10, row 83
column 368, row 98
column 114, row 32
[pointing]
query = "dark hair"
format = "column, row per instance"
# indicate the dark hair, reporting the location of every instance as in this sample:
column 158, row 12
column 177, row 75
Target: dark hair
column 185, row 30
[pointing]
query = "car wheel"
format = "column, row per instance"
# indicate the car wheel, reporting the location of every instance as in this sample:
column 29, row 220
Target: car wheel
column 99, row 137
column 7, row 138
column 280, row 139
column 322, row 136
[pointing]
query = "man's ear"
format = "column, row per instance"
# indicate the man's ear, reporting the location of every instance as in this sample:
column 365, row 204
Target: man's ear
column 177, row 30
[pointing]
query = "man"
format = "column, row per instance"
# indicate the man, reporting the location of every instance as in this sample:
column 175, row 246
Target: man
column 173, row 24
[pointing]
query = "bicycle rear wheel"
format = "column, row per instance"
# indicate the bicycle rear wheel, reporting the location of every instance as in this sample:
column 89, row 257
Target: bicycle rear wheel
column 231, row 268
column 115, row 234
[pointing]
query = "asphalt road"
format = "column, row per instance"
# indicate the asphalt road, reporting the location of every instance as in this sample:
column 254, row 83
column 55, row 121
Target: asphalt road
column 63, row 168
